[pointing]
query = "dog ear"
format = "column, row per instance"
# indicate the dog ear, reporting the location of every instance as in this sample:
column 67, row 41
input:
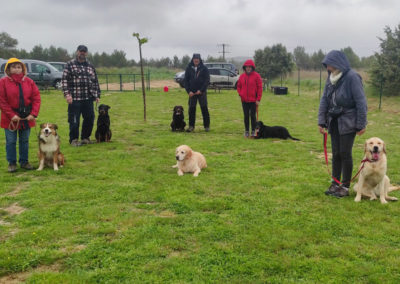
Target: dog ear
column 365, row 147
column 384, row 147
column 108, row 107
column 189, row 153
column 55, row 126
column 42, row 125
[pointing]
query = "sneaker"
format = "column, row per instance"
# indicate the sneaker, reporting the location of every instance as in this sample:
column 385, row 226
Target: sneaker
column 253, row 133
column 190, row 129
column 246, row 134
column 26, row 166
column 332, row 189
column 342, row 192
column 86, row 141
column 207, row 129
column 75, row 143
column 12, row 168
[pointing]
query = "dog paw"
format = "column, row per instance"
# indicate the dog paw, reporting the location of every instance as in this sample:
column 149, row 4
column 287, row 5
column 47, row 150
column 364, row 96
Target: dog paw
column 39, row 169
column 180, row 173
column 373, row 198
column 384, row 201
column 357, row 199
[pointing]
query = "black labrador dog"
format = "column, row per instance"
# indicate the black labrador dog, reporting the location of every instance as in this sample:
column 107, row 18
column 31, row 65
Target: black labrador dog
column 264, row 131
column 103, row 132
column 178, row 123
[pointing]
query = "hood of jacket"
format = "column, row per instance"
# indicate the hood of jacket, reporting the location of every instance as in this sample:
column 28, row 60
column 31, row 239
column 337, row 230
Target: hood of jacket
column 250, row 63
column 14, row 60
column 338, row 60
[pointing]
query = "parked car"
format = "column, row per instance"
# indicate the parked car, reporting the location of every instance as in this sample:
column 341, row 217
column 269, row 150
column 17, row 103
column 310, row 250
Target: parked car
column 59, row 65
column 223, row 65
column 219, row 78
column 42, row 73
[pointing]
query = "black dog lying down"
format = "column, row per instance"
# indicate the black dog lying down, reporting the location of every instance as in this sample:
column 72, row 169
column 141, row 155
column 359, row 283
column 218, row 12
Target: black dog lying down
column 103, row 132
column 264, row 131
column 178, row 123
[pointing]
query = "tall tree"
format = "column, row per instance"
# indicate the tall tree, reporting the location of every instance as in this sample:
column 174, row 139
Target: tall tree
column 316, row 59
column 273, row 62
column 301, row 58
column 386, row 69
column 353, row 58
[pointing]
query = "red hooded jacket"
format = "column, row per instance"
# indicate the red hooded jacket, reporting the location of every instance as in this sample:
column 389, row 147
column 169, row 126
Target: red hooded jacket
column 9, row 99
column 249, row 86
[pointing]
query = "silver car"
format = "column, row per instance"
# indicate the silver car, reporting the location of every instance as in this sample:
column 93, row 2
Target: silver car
column 219, row 78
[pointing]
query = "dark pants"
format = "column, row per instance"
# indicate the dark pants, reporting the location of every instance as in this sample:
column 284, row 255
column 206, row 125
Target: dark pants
column 204, row 110
column 249, row 109
column 74, row 112
column 342, row 160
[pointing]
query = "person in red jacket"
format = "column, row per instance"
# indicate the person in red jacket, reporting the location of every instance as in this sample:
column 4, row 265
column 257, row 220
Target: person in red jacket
column 19, row 105
column 250, row 89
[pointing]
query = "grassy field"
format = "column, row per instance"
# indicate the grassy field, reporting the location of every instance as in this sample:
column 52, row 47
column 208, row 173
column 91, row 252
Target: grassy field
column 118, row 212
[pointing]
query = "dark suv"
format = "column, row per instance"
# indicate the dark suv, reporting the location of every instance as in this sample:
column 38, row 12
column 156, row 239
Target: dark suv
column 42, row 73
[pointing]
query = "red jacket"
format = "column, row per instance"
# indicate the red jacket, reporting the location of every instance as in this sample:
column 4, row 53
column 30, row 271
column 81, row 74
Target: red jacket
column 9, row 99
column 249, row 86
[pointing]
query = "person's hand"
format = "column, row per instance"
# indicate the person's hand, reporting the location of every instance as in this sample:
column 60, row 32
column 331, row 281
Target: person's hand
column 15, row 118
column 30, row 117
column 198, row 92
column 322, row 130
column 361, row 132
column 257, row 102
column 97, row 100
column 69, row 99
column 191, row 94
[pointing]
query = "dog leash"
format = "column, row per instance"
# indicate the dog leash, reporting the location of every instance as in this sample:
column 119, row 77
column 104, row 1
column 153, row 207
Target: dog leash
column 327, row 164
column 14, row 126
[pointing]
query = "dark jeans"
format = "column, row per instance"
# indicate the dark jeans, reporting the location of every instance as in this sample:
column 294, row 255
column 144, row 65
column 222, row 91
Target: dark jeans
column 204, row 109
column 74, row 112
column 11, row 145
column 342, row 160
column 249, row 109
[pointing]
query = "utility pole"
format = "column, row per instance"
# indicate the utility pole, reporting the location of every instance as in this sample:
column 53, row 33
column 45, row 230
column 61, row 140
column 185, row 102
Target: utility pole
column 224, row 46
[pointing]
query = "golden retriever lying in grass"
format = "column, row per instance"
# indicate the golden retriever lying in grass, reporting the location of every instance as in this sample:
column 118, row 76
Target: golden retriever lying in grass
column 373, row 180
column 189, row 161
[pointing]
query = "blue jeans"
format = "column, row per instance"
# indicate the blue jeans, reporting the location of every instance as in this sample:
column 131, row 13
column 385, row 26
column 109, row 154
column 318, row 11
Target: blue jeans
column 11, row 145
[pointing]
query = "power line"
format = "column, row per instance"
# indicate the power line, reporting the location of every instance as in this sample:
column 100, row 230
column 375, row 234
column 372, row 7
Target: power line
column 224, row 46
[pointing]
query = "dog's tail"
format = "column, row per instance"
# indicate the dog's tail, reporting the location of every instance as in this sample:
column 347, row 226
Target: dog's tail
column 394, row 187
column 294, row 138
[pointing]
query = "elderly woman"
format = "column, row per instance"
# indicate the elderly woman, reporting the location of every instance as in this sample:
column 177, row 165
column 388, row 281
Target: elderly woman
column 343, row 112
column 19, row 105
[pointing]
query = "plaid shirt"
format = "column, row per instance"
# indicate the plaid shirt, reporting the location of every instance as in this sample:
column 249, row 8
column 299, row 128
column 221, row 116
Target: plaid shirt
column 80, row 81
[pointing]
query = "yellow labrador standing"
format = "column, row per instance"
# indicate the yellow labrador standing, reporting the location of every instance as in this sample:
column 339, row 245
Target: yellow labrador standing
column 189, row 161
column 373, row 180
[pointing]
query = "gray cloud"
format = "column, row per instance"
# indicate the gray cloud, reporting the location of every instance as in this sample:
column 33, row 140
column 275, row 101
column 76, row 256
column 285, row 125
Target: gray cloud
column 185, row 26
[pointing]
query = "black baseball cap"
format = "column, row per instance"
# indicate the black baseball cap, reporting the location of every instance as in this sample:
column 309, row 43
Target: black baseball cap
column 82, row 48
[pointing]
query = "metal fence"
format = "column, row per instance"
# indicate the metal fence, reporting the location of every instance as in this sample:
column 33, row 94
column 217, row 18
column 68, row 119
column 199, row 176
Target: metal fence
column 123, row 82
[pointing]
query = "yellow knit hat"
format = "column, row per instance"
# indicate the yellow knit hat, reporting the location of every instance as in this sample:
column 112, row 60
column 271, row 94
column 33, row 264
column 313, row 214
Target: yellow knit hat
column 14, row 60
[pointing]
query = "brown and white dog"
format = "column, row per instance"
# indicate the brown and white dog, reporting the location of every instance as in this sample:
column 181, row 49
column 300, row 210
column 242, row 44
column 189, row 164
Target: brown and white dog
column 49, row 147
column 189, row 161
column 373, row 180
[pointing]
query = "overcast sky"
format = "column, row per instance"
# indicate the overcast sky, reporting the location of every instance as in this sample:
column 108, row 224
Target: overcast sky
column 179, row 27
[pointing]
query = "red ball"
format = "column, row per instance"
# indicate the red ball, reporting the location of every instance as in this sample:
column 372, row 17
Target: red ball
column 166, row 89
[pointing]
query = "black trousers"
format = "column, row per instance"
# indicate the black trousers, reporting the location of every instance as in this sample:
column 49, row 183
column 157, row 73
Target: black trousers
column 342, row 159
column 204, row 109
column 249, row 110
column 75, row 110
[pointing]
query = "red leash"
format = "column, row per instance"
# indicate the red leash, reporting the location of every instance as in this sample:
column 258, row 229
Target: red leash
column 257, row 110
column 327, row 165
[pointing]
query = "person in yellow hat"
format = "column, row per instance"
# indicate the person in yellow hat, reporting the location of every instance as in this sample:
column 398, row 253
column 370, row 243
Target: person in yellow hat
column 19, row 105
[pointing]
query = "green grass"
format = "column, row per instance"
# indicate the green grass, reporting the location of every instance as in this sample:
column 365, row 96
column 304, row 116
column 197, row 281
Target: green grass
column 155, row 74
column 117, row 212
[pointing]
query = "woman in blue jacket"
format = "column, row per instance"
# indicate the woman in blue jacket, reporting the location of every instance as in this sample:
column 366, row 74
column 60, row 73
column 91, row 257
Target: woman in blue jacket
column 343, row 112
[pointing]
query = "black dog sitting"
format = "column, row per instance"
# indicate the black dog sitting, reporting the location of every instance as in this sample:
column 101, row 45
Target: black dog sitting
column 103, row 132
column 264, row 131
column 178, row 123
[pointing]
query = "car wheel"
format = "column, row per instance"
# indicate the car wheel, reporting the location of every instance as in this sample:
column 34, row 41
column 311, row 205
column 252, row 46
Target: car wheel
column 235, row 86
column 182, row 85
column 57, row 85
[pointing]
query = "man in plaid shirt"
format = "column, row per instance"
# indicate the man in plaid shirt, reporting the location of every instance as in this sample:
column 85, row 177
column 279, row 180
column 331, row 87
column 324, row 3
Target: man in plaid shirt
column 81, row 87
